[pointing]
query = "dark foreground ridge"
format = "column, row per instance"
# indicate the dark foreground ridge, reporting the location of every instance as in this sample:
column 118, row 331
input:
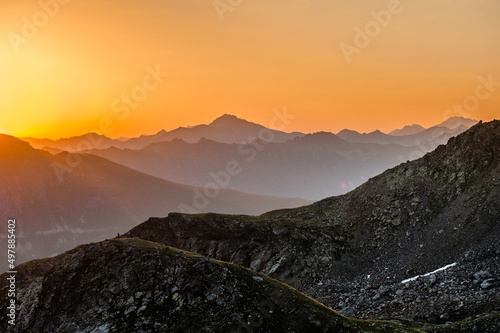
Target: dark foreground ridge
column 129, row 285
column 352, row 252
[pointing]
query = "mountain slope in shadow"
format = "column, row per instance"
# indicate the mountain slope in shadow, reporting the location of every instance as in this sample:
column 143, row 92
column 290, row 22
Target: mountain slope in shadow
column 320, row 164
column 64, row 200
column 137, row 286
column 314, row 166
column 353, row 251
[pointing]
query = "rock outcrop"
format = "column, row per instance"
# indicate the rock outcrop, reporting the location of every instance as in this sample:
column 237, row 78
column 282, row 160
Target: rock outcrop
column 353, row 251
column 131, row 285
column 417, row 245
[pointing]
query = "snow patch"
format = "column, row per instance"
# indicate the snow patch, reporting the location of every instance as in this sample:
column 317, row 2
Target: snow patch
column 427, row 274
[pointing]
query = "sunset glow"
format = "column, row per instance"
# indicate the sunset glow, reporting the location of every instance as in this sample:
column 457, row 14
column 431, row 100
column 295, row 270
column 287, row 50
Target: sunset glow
column 63, row 71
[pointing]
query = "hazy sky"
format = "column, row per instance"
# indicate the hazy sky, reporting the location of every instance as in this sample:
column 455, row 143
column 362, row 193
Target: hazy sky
column 63, row 70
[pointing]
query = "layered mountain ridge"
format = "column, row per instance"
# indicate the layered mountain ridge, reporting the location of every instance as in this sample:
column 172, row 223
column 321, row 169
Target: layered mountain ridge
column 225, row 129
column 410, row 220
column 233, row 130
column 65, row 200
column 320, row 164
column 314, row 166
column 417, row 244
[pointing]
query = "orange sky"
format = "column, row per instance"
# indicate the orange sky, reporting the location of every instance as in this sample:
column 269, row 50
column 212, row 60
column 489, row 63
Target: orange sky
column 70, row 73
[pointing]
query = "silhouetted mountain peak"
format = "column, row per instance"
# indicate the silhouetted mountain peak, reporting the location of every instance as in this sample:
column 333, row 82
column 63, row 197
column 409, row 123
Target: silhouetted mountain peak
column 228, row 120
column 162, row 132
column 90, row 134
column 408, row 130
column 457, row 118
column 347, row 132
column 319, row 138
column 377, row 133
column 12, row 145
column 146, row 136
column 420, row 216
column 455, row 122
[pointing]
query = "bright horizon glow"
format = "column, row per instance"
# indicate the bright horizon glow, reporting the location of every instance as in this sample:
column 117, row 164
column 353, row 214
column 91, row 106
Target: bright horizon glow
column 264, row 55
column 188, row 126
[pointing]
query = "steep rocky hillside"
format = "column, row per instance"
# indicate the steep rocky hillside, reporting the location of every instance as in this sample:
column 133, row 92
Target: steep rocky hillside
column 353, row 251
column 137, row 286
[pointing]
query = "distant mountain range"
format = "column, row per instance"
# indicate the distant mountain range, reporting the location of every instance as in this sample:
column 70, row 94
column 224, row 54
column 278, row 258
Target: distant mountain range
column 451, row 123
column 72, row 198
column 435, row 136
column 320, row 164
column 363, row 252
column 233, row 130
column 225, row 129
column 64, row 200
column 312, row 166
column 418, row 244
column 413, row 136
column 408, row 130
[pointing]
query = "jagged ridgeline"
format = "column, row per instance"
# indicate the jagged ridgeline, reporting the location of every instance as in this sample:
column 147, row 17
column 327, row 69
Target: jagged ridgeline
column 350, row 252
column 128, row 285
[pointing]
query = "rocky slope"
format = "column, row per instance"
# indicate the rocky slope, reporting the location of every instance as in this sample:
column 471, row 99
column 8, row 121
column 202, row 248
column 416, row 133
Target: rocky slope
column 353, row 251
column 137, row 286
